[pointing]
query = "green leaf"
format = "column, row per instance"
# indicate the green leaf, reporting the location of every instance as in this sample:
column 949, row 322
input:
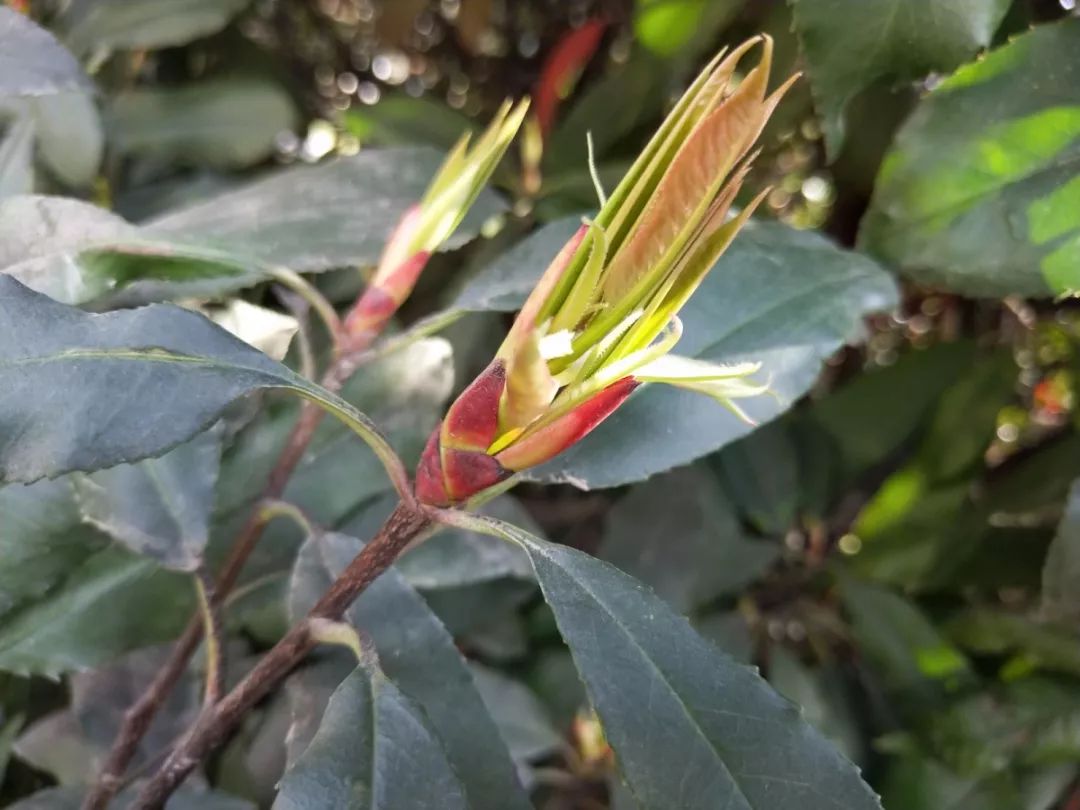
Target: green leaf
column 69, row 133
column 134, row 24
column 914, row 661
column 419, row 656
column 114, row 602
column 977, row 191
column 782, row 297
column 92, row 391
column 873, row 416
column 223, row 123
column 32, row 62
column 713, row 555
column 75, row 252
column 689, row 726
column 850, row 44
column 400, row 119
column 374, row 749
column 42, row 540
column 405, row 392
column 312, row 218
column 761, row 474
column 1061, row 572
column 823, row 698
column 159, row 507
column 304, row 217
column 994, row 631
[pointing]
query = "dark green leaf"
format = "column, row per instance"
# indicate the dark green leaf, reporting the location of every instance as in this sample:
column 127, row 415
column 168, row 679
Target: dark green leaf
column 75, row 252
column 91, row 24
column 760, row 473
column 977, row 191
column 83, row 392
column 872, row 417
column 994, row 631
column 419, row 656
column 159, row 507
column 690, row 727
column 849, row 44
column 42, row 540
column 114, row 602
column 184, row 799
column 224, row 123
column 312, row 218
column 32, row 62
column 1061, row 573
column 679, row 534
column 374, row 749
column 400, row 119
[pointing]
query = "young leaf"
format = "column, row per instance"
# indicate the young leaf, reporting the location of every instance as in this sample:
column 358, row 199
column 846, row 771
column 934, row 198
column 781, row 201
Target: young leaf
column 92, row 391
column 690, row 727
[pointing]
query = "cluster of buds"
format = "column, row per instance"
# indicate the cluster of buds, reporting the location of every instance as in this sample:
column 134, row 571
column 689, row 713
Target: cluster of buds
column 428, row 224
column 602, row 320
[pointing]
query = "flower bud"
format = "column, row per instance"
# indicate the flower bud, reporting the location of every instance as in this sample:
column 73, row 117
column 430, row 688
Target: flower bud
column 603, row 318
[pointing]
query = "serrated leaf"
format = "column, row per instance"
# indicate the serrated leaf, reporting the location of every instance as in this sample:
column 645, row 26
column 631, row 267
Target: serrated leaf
column 90, row 24
column 978, row 190
column 92, row 391
column 114, row 602
column 690, row 727
column 159, row 507
column 32, row 62
column 419, row 656
column 42, row 540
column 900, row 40
column 223, row 123
column 374, row 749
column 713, row 556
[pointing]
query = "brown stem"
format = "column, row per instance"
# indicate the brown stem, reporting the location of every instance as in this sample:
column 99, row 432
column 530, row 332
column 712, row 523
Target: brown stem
column 138, row 718
column 404, row 525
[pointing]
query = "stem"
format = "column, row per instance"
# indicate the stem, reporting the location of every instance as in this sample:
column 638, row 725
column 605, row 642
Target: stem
column 405, row 524
column 209, row 609
column 138, row 718
column 323, row 308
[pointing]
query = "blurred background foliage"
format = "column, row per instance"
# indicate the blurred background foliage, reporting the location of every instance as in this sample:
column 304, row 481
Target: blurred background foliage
column 899, row 554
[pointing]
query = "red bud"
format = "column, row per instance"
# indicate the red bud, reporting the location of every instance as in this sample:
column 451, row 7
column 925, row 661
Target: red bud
column 568, row 429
